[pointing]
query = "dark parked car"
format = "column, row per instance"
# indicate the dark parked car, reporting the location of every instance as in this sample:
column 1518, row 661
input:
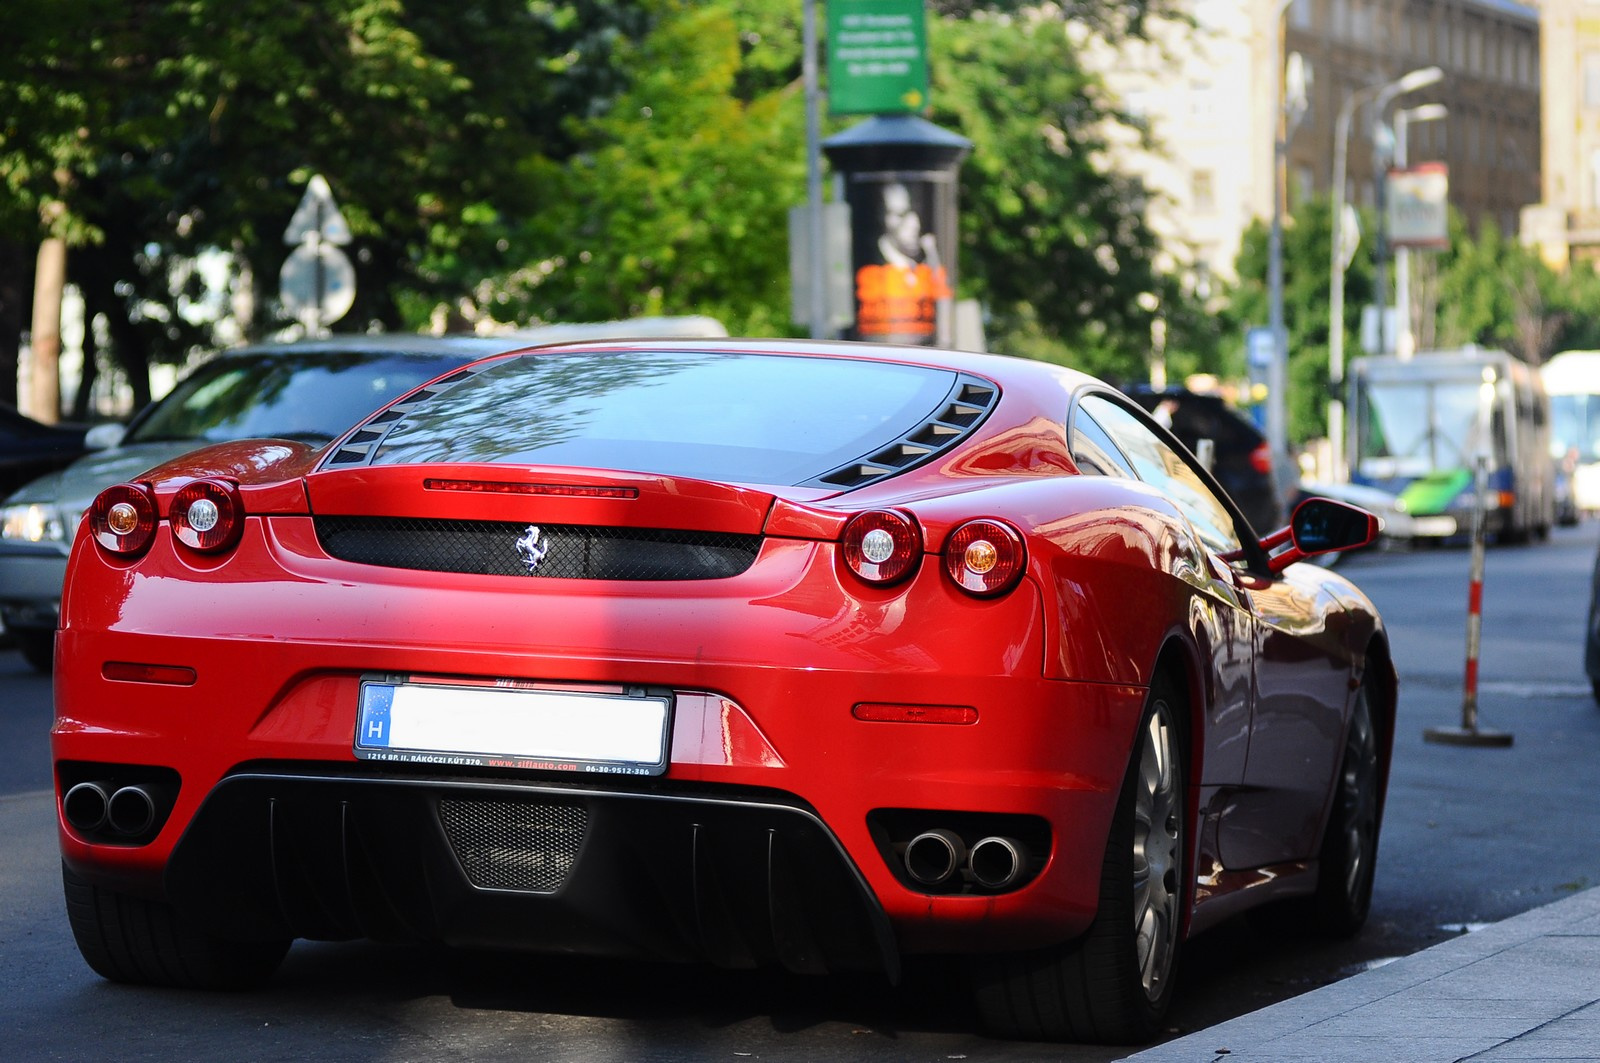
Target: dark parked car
column 29, row 449
column 1240, row 456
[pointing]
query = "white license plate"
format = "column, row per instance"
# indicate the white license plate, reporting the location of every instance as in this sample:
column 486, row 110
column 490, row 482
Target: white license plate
column 513, row 727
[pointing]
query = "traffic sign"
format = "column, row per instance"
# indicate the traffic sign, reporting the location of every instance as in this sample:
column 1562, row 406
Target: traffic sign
column 317, row 284
column 317, row 215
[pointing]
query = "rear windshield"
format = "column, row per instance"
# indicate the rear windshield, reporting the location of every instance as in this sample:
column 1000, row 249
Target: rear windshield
column 313, row 396
column 748, row 418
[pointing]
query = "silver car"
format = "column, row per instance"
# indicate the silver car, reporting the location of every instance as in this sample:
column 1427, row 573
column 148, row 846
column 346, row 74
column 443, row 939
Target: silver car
column 310, row 390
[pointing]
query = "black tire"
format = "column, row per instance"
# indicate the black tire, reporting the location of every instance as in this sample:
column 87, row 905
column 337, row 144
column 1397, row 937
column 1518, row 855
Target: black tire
column 130, row 939
column 1112, row 985
column 38, row 648
column 1349, row 854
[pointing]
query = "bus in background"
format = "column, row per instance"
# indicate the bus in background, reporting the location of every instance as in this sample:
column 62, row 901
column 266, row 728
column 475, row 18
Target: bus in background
column 1418, row 425
column 1572, row 380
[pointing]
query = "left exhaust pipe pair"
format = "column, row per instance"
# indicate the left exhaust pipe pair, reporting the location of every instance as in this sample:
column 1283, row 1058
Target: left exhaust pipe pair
column 936, row 856
column 94, row 806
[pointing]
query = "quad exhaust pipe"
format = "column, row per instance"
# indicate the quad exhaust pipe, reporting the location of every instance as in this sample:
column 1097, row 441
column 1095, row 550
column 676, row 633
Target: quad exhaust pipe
column 936, row 856
column 997, row 863
column 92, row 807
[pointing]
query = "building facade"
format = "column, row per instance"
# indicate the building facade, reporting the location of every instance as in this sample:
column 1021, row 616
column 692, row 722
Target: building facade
column 1565, row 223
column 1212, row 106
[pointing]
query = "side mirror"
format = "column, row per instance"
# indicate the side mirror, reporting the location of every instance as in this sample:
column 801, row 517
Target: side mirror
column 103, row 436
column 1321, row 525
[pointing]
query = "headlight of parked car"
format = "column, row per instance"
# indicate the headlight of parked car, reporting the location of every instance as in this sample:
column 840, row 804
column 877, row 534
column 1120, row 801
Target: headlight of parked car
column 33, row 522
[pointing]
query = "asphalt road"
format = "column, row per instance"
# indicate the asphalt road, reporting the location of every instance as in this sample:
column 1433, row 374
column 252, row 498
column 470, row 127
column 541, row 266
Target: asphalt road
column 1471, row 836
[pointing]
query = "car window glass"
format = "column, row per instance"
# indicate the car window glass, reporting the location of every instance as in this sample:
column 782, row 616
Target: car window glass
column 1163, row 468
column 715, row 416
column 1094, row 453
column 312, row 396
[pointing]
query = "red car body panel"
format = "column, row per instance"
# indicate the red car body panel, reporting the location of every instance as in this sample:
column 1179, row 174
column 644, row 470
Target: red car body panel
column 767, row 666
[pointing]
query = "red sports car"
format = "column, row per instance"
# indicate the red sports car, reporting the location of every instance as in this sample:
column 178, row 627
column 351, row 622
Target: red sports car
column 742, row 652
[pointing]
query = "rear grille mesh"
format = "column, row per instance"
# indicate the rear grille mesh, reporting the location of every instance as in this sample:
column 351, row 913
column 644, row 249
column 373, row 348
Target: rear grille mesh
column 560, row 551
column 515, row 845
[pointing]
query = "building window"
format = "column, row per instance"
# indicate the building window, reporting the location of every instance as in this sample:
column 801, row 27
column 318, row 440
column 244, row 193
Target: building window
column 1591, row 79
column 1203, row 192
column 1300, row 14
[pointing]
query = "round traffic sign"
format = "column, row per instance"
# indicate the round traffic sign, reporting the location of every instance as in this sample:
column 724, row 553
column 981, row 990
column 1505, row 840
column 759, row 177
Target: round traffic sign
column 317, row 280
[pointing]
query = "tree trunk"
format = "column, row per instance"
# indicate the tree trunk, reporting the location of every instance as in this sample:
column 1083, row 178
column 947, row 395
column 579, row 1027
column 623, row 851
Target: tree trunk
column 50, row 277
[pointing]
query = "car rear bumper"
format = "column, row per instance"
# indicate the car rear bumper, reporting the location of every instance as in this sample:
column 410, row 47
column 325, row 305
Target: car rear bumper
column 770, row 763
column 735, row 881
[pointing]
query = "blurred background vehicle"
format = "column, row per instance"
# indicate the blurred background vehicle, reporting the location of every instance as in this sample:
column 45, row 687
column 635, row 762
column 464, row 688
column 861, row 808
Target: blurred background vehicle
column 309, row 390
column 1240, row 457
column 1572, row 380
column 1418, row 426
column 29, row 449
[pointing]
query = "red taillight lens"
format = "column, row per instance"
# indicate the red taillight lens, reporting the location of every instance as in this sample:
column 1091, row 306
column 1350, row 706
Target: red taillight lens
column 207, row 515
column 882, row 547
column 1261, row 459
column 985, row 557
column 122, row 519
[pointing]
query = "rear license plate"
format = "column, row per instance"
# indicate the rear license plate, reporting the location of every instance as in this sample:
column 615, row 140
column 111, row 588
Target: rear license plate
column 513, row 727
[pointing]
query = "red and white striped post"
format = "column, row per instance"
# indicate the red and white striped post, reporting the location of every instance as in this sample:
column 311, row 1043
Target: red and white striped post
column 1468, row 733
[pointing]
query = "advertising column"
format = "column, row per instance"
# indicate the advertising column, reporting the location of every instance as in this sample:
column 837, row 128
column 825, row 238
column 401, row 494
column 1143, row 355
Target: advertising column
column 899, row 174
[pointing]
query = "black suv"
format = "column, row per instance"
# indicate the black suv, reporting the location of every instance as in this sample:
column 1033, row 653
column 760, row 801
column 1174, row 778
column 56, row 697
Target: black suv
column 1241, row 459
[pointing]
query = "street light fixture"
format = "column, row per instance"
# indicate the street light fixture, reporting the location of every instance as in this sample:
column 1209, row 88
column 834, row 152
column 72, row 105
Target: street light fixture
column 1340, row 258
column 1406, row 344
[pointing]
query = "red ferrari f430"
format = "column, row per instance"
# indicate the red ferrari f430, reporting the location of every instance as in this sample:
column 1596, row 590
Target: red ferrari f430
column 735, row 652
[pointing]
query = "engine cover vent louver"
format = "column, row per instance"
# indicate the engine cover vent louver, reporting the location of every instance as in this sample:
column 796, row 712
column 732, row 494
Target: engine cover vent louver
column 559, row 551
column 963, row 410
column 360, row 444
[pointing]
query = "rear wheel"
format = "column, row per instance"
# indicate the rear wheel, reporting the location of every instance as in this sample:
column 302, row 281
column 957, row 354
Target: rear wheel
column 130, row 939
column 1112, row 985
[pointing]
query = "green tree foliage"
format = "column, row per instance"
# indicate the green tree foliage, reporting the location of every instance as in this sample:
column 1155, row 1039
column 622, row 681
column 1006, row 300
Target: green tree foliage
column 162, row 128
column 538, row 160
column 1484, row 289
column 677, row 200
column 1307, row 308
column 1053, row 242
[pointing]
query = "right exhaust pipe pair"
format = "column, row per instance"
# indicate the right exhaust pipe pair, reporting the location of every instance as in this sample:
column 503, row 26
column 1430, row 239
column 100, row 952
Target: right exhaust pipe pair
column 936, row 856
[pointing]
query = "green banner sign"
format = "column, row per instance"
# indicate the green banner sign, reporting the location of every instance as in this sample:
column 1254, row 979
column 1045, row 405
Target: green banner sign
column 877, row 57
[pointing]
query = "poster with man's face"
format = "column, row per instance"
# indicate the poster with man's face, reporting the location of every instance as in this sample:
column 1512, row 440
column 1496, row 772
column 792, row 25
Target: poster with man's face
column 903, row 277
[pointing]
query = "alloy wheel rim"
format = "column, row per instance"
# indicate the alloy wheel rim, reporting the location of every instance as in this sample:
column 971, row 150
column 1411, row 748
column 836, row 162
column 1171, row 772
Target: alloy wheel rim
column 1358, row 795
column 1157, row 844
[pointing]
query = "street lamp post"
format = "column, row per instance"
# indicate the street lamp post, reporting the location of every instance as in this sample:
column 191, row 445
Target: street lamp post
column 1287, row 110
column 1406, row 343
column 1380, row 166
column 1340, row 258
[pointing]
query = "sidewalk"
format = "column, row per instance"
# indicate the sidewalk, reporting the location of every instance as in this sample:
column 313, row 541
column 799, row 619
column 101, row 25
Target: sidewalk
column 1527, row 988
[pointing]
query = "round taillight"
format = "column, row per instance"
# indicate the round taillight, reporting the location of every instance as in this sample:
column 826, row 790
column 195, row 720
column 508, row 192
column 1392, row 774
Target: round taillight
column 207, row 516
column 122, row 519
column 882, row 546
column 985, row 557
